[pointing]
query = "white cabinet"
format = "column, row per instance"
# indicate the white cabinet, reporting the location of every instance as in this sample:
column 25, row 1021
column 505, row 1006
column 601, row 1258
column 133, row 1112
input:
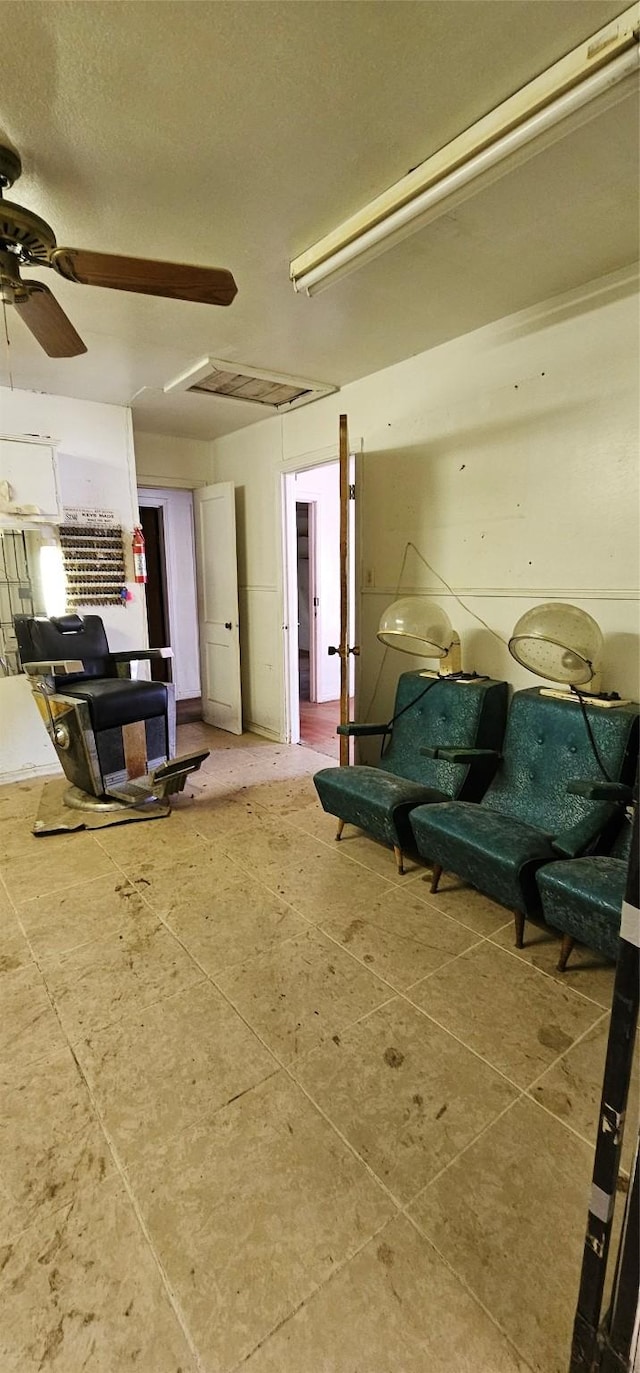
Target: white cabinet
column 29, row 490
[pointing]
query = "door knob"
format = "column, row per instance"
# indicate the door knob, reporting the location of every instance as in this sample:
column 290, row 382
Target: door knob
column 228, row 624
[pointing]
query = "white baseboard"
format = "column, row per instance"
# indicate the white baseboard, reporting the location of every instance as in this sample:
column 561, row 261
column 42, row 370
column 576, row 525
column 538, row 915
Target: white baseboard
column 29, row 774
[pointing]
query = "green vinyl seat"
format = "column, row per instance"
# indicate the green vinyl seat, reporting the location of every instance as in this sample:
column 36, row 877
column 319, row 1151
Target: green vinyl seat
column 380, row 799
column 582, row 897
column 527, row 816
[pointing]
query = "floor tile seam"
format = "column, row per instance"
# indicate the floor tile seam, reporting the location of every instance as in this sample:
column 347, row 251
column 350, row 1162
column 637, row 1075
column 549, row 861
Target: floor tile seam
column 445, row 964
column 121, row 1171
column 97, row 939
column 584, row 1034
column 342, row 1028
column 383, row 1187
column 312, row 1295
column 426, row 902
column 543, row 972
column 292, row 1063
column 328, row 844
column 484, row 1129
column 522, row 962
column 477, row 1300
column 480, row 939
column 365, row 966
column 87, row 881
column 515, row 1086
column 49, row 1212
column 209, row 977
column 570, row 1128
column 127, row 1015
column 57, row 891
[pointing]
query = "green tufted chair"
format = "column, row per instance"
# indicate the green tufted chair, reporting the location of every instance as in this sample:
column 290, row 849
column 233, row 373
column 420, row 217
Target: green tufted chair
column 527, row 816
column 582, row 898
column 379, row 799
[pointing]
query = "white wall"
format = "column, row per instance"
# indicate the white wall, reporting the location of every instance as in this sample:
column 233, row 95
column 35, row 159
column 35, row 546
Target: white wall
column 94, row 444
column 162, row 460
column 508, row 456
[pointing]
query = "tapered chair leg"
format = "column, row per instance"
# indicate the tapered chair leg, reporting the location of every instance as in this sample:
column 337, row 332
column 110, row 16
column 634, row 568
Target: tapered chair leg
column 436, row 874
column 399, row 862
column 341, row 824
column 568, row 942
column 519, row 922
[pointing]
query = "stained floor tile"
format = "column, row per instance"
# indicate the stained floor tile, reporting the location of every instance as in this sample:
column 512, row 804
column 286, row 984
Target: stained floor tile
column 250, row 1211
column 81, row 1290
column 405, row 1094
column 29, row 1028
column 463, row 903
column 51, row 1144
column 587, row 973
column 572, row 1089
column 395, row 1308
column 301, row 993
column 310, row 876
column 63, row 920
column 509, row 1215
column 98, row 983
column 400, row 937
column 229, row 920
column 55, row 861
column 516, row 1018
column 170, row 1064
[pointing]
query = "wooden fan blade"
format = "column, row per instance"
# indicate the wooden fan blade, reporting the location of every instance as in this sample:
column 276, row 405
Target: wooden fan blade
column 210, row 285
column 47, row 321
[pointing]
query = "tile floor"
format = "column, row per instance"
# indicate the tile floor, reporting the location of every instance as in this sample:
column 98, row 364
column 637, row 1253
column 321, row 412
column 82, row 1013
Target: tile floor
column 266, row 1104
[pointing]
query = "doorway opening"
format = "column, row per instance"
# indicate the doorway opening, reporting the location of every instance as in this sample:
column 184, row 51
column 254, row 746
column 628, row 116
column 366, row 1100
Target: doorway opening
column 166, row 517
column 156, row 588
column 312, row 561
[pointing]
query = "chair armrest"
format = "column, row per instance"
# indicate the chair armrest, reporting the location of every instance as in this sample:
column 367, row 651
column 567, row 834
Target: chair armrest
column 460, row 755
column 54, row 667
column 355, row 731
column 602, row 791
column 140, row 655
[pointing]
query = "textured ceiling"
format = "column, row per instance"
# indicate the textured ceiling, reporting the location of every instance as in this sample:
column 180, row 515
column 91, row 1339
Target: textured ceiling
column 236, row 134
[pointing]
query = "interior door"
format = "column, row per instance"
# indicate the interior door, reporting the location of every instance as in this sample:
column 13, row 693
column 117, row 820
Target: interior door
column 216, row 564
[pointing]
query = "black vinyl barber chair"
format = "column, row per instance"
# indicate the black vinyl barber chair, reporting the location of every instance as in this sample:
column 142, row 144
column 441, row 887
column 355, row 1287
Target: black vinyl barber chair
column 115, row 737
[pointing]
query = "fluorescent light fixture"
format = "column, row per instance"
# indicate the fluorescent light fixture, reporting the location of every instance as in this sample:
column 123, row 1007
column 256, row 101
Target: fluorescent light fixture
column 595, row 76
column 214, row 377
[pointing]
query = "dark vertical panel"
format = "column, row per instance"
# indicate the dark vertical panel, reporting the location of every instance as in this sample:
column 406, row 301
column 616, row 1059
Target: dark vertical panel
column 157, row 619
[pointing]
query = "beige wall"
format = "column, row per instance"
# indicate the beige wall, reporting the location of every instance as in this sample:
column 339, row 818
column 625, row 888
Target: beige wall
column 508, row 456
column 162, row 460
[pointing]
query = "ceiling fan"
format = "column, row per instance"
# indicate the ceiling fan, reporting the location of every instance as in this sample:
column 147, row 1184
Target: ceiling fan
column 27, row 241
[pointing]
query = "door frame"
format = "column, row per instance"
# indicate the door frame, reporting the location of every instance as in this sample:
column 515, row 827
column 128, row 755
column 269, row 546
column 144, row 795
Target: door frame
column 287, row 578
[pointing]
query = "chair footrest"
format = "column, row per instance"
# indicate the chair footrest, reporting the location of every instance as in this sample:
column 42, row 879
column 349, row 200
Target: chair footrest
column 165, row 780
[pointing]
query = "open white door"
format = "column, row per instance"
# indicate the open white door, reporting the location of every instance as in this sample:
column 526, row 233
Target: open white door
column 215, row 528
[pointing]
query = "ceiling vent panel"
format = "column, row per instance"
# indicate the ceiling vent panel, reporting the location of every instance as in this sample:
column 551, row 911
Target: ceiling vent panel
column 213, row 377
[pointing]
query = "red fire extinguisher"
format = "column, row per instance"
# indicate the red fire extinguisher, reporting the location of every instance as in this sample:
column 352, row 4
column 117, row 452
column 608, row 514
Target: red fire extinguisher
column 139, row 558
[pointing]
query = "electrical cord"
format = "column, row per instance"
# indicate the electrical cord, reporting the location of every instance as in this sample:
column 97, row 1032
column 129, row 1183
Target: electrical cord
column 589, row 730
